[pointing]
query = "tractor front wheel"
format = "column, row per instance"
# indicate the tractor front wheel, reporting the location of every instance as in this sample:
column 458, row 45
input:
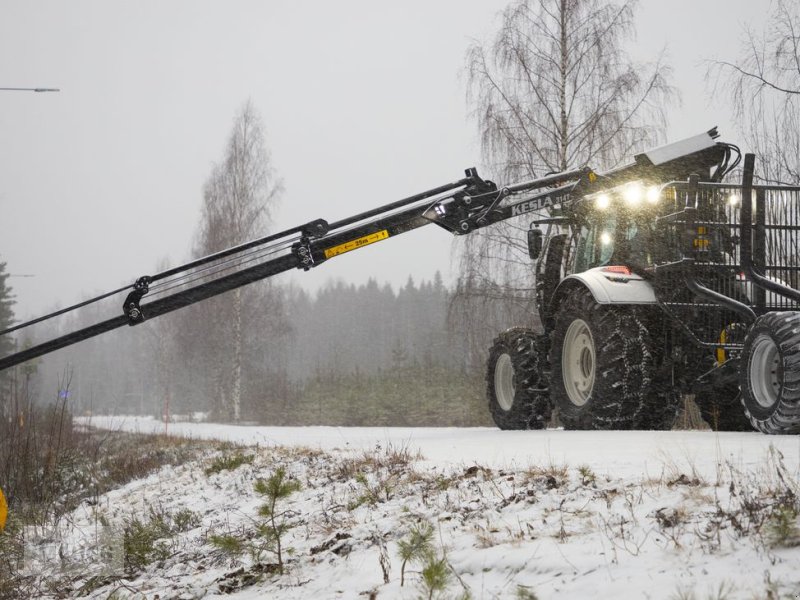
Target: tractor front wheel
column 604, row 368
column 770, row 373
column 515, row 388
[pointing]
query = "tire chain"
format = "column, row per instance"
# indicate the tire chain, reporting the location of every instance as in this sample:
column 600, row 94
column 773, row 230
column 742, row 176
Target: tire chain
column 529, row 374
column 633, row 400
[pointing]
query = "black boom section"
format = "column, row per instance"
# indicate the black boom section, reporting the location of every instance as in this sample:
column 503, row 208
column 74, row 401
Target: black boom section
column 300, row 247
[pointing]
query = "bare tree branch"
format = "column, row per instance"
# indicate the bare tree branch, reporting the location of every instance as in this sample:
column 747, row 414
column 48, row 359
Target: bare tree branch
column 555, row 90
column 764, row 84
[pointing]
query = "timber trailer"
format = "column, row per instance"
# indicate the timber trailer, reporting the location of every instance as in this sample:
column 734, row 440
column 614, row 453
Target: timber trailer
column 655, row 280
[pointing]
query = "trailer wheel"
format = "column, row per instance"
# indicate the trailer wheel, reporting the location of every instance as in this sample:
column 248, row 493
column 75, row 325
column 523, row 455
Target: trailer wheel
column 722, row 409
column 514, row 386
column 770, row 373
column 603, row 368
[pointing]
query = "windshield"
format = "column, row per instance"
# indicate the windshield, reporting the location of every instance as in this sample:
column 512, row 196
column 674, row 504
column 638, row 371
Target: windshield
column 614, row 238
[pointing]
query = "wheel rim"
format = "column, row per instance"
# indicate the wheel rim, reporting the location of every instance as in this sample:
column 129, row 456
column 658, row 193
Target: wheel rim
column 764, row 373
column 504, row 382
column 578, row 362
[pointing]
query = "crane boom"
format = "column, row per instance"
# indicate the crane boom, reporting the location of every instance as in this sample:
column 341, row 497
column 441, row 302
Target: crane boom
column 460, row 207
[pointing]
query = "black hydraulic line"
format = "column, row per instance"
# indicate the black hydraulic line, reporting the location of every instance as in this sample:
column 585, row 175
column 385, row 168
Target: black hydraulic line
column 548, row 180
column 471, row 178
column 746, row 220
column 394, row 224
column 318, row 227
column 717, row 298
column 63, row 341
column 690, row 271
column 218, row 286
column 313, row 233
column 159, row 307
column 225, row 265
column 316, row 243
column 64, row 310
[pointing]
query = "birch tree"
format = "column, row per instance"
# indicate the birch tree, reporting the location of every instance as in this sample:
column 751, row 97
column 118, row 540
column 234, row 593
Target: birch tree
column 555, row 90
column 238, row 200
column 764, row 84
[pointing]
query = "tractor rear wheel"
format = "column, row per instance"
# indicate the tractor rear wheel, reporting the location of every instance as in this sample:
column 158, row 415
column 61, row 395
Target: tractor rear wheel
column 515, row 388
column 604, row 368
column 770, row 373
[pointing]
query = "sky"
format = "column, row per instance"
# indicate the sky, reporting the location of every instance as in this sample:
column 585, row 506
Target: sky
column 363, row 103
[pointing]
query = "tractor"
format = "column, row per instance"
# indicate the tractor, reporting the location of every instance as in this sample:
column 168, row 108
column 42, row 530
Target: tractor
column 655, row 280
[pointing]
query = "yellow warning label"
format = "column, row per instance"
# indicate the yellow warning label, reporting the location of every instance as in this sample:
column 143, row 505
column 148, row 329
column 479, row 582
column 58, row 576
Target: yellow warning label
column 3, row 511
column 357, row 243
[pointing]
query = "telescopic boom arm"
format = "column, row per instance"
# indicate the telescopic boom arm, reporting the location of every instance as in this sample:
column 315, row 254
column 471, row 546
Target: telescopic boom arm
column 459, row 207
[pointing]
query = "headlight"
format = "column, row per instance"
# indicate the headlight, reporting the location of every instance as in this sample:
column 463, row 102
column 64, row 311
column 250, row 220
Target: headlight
column 602, row 202
column 633, row 193
column 605, row 238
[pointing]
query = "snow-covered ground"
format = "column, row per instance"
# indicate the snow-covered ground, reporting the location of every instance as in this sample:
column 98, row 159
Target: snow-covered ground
column 613, row 453
column 548, row 513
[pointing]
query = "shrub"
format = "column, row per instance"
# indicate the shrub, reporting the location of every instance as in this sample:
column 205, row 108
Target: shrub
column 229, row 544
column 229, row 462
column 144, row 541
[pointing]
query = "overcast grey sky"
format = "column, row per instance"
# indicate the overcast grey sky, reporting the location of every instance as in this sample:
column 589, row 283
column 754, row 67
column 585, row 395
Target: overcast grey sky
column 362, row 103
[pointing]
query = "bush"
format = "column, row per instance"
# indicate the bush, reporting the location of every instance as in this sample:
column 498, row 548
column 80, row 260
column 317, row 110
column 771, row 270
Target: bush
column 229, row 463
column 148, row 541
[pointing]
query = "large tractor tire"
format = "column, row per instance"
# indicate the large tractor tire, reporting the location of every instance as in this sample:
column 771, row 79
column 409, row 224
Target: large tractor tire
column 515, row 388
column 770, row 373
column 722, row 409
column 604, row 373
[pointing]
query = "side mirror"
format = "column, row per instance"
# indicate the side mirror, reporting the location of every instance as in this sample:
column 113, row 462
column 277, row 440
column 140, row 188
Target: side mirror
column 534, row 242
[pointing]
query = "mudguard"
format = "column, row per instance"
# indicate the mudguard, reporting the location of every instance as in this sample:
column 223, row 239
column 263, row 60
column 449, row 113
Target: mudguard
column 610, row 287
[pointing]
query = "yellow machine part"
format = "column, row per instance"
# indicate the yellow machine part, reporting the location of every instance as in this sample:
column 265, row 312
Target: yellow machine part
column 357, row 243
column 721, row 356
column 3, row 511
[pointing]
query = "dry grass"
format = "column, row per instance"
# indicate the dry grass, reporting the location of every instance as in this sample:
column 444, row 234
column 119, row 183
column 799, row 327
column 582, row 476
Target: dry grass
column 49, row 467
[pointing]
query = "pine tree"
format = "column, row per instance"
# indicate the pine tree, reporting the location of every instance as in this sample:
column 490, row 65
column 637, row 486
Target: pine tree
column 6, row 320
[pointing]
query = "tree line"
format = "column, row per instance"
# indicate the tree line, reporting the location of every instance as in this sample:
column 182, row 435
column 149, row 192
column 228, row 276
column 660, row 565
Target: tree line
column 345, row 355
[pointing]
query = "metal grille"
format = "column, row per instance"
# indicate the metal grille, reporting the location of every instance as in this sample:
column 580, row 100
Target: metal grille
column 706, row 228
column 702, row 234
column 776, row 237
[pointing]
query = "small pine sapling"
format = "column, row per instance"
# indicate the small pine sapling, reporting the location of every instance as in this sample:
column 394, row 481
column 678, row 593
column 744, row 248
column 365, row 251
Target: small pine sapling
column 276, row 487
column 229, row 544
column 417, row 547
column 782, row 527
column 435, row 575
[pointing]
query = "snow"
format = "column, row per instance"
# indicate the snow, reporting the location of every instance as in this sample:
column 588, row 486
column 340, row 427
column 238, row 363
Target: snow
column 557, row 513
column 617, row 453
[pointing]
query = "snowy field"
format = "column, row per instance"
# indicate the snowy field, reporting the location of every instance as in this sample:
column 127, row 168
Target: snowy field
column 540, row 514
column 612, row 453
